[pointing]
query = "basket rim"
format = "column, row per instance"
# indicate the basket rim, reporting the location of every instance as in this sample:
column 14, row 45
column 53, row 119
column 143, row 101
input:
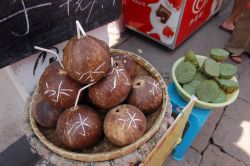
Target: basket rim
column 103, row 156
column 200, row 103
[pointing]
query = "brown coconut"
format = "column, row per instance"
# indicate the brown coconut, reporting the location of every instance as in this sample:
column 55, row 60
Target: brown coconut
column 46, row 115
column 111, row 90
column 79, row 128
column 124, row 124
column 123, row 61
column 57, row 87
column 146, row 94
column 87, row 59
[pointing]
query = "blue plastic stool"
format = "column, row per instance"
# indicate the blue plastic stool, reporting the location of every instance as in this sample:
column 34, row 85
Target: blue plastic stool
column 196, row 120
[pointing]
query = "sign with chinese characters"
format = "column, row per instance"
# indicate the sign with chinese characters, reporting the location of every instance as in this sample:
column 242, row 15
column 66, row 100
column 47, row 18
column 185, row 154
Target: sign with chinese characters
column 26, row 23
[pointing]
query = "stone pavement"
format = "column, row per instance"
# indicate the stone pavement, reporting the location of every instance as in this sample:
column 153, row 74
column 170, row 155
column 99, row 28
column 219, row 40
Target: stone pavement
column 224, row 139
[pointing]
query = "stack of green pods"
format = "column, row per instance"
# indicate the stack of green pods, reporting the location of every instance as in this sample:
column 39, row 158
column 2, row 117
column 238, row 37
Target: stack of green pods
column 211, row 80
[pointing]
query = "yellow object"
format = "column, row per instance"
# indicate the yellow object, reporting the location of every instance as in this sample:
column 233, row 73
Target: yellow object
column 201, row 104
column 171, row 138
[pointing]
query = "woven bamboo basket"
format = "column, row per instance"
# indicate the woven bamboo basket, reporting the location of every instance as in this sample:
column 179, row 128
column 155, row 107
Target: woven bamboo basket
column 105, row 150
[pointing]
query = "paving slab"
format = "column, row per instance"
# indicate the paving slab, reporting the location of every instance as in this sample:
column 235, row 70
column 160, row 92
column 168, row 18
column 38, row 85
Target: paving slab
column 214, row 157
column 202, row 140
column 11, row 111
column 244, row 81
column 192, row 158
column 19, row 154
column 233, row 131
column 247, row 70
column 239, row 111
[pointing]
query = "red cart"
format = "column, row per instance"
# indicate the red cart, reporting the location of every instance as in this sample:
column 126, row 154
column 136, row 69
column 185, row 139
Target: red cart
column 169, row 22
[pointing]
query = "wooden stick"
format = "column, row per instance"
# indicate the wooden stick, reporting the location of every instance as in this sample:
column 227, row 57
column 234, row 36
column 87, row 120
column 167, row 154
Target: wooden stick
column 79, row 28
column 80, row 91
column 50, row 51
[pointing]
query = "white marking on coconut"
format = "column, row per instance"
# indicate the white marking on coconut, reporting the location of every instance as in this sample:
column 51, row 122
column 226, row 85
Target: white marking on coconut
column 91, row 73
column 53, row 92
column 155, row 87
column 118, row 72
column 81, row 123
column 60, row 91
column 124, row 122
column 67, row 123
column 131, row 120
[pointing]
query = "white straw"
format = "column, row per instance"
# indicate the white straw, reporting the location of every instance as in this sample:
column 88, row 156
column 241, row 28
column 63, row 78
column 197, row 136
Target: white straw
column 79, row 92
column 79, row 27
column 112, row 61
column 78, row 33
column 50, row 51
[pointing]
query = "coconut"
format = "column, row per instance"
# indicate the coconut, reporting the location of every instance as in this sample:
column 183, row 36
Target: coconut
column 123, row 61
column 87, row 59
column 45, row 114
column 79, row 127
column 111, row 90
column 145, row 94
column 124, row 124
column 57, row 87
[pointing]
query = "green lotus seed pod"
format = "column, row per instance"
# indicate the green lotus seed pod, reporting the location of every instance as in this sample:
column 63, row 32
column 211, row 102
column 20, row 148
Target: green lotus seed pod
column 191, row 87
column 227, row 70
column 221, row 98
column 207, row 91
column 190, row 57
column 219, row 54
column 211, row 68
column 185, row 72
column 199, row 77
column 229, row 86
